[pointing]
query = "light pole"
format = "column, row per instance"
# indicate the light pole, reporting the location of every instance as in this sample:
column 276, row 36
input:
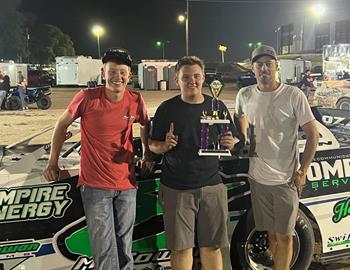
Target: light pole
column 222, row 49
column 185, row 18
column 161, row 44
column 277, row 30
column 98, row 31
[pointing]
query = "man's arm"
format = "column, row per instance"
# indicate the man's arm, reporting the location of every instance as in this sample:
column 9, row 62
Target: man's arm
column 312, row 137
column 59, row 136
column 243, row 126
column 144, row 131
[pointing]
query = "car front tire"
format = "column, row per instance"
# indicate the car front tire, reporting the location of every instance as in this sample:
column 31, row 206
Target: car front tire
column 249, row 248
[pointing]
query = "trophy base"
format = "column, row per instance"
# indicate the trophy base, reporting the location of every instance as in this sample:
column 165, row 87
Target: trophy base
column 214, row 152
column 215, row 121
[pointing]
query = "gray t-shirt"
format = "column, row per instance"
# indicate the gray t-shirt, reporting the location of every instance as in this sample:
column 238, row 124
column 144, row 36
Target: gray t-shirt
column 274, row 119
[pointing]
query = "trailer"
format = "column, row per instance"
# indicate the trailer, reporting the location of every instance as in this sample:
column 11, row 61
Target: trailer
column 11, row 68
column 336, row 60
column 291, row 70
column 77, row 70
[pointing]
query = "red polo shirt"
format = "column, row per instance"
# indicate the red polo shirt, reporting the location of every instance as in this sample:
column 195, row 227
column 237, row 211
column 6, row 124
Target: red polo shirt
column 106, row 137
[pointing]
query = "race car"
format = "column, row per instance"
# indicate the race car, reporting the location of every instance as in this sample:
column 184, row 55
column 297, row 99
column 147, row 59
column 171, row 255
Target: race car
column 43, row 225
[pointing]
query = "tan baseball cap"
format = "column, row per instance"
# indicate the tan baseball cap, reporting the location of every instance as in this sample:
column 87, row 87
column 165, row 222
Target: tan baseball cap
column 263, row 50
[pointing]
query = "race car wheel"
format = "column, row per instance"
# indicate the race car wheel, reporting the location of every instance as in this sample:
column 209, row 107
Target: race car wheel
column 13, row 103
column 44, row 103
column 343, row 103
column 249, row 248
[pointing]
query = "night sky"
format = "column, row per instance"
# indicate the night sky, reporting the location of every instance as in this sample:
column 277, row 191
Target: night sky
column 137, row 24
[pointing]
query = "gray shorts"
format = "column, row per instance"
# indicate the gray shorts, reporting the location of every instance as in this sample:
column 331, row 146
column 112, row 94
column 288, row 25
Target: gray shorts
column 195, row 217
column 274, row 207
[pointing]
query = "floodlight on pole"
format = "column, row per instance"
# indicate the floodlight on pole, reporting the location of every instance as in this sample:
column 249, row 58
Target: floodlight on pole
column 318, row 11
column 161, row 44
column 222, row 49
column 185, row 18
column 98, row 31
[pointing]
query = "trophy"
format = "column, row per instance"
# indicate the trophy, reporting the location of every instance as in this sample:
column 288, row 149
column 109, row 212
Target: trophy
column 213, row 118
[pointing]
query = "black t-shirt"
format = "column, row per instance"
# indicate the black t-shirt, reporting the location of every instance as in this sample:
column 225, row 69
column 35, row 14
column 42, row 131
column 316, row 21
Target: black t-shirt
column 5, row 85
column 182, row 167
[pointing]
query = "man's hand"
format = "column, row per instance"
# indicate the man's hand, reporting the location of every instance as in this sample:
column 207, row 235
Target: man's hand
column 299, row 178
column 170, row 139
column 146, row 167
column 228, row 141
column 52, row 172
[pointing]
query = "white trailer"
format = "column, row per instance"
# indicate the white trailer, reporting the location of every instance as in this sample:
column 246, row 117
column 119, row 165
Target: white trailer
column 77, row 70
column 291, row 70
column 12, row 69
column 336, row 60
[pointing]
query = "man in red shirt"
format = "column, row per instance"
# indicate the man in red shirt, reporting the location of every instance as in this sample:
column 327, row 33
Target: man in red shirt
column 107, row 174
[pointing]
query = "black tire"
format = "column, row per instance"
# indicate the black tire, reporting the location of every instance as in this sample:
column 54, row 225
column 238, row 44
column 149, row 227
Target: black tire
column 343, row 103
column 13, row 103
column 248, row 247
column 44, row 103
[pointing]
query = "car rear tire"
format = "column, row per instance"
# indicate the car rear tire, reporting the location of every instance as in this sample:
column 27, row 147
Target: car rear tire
column 343, row 103
column 249, row 248
column 13, row 103
column 44, row 103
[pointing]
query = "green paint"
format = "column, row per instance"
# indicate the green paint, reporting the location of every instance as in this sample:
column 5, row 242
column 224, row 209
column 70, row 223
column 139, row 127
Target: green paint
column 338, row 243
column 78, row 242
column 234, row 185
column 150, row 243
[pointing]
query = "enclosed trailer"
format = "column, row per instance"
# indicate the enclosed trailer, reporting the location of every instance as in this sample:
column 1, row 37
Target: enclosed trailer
column 292, row 70
column 12, row 69
column 77, row 70
column 336, row 60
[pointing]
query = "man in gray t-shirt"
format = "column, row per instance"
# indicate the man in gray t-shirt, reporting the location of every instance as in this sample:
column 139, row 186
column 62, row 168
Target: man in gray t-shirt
column 273, row 113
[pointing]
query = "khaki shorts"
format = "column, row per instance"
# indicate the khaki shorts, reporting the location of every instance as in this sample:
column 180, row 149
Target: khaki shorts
column 274, row 207
column 195, row 217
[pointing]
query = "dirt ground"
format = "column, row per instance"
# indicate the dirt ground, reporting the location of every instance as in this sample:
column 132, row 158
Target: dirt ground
column 16, row 125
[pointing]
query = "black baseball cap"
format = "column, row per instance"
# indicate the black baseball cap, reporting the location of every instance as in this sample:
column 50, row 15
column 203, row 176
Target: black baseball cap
column 263, row 50
column 120, row 55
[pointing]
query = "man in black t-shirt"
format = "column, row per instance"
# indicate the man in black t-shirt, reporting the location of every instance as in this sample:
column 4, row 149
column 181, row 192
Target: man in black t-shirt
column 193, row 197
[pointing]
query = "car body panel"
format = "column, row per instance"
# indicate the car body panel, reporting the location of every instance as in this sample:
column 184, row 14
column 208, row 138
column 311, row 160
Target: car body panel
column 43, row 224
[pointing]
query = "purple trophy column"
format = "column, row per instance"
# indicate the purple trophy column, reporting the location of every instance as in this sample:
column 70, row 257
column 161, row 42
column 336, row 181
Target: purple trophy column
column 205, row 136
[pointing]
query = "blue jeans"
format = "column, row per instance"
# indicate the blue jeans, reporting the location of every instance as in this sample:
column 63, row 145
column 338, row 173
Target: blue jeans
column 110, row 217
column 22, row 96
column 2, row 96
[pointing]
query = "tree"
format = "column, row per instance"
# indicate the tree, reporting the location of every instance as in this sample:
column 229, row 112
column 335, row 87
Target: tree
column 47, row 42
column 12, row 34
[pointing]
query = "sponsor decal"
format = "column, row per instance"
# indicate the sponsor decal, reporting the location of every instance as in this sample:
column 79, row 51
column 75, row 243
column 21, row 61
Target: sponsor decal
column 330, row 120
column 35, row 202
column 87, row 263
column 151, row 257
column 19, row 248
column 329, row 173
column 341, row 210
column 83, row 263
column 334, row 241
